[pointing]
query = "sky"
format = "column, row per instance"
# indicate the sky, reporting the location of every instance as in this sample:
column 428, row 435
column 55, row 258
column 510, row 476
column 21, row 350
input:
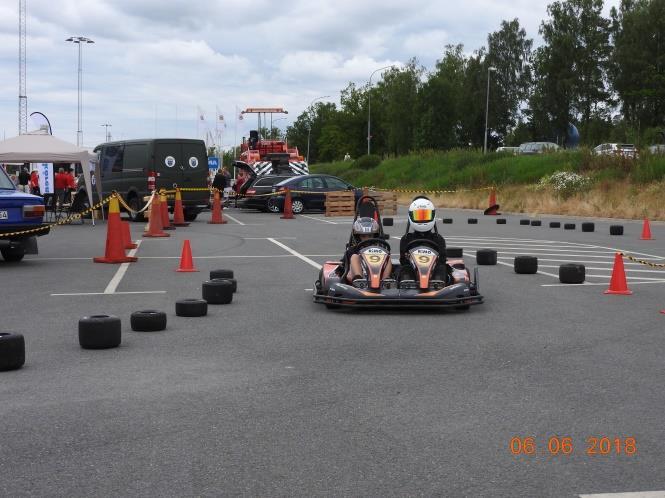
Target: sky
column 155, row 63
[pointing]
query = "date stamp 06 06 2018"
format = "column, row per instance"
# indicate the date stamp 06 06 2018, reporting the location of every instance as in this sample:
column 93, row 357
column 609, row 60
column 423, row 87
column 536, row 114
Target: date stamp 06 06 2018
column 563, row 445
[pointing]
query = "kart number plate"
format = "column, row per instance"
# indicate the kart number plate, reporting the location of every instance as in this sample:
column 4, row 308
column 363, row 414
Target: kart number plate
column 4, row 215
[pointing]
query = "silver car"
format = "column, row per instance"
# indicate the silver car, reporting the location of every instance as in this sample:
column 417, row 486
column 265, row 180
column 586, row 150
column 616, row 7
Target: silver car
column 529, row 148
column 625, row 150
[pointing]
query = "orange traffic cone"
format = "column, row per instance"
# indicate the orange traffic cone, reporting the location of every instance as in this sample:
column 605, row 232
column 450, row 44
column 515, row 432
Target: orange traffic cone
column 493, row 207
column 164, row 211
column 155, row 223
column 646, row 230
column 115, row 247
column 618, row 284
column 127, row 236
column 178, row 213
column 288, row 210
column 217, row 216
column 186, row 262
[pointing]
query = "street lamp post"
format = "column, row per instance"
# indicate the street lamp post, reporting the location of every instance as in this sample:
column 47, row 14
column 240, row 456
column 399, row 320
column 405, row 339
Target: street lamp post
column 107, row 133
column 487, row 106
column 369, row 106
column 309, row 128
column 80, row 40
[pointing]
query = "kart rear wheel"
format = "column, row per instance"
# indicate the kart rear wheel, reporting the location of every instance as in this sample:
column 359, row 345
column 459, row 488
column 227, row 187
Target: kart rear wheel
column 464, row 307
column 332, row 306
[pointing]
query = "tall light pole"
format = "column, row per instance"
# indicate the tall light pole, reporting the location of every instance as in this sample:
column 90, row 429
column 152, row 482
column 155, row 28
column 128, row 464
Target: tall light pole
column 80, row 40
column 309, row 129
column 487, row 105
column 369, row 106
column 107, row 133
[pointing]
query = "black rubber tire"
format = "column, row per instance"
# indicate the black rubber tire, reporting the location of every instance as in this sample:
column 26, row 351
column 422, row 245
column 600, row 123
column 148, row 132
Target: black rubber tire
column 472, row 221
column 447, row 221
column 569, row 226
column 100, row 332
column 134, row 203
column 454, row 252
column 588, row 227
column 463, row 307
column 616, row 229
column 572, row 273
column 148, row 321
column 525, row 222
column 234, row 283
column 526, row 264
column 217, row 291
column 221, row 274
column 500, row 221
column 486, row 256
column 555, row 224
column 191, row 307
column 12, row 254
column 536, row 223
column 12, row 351
column 190, row 214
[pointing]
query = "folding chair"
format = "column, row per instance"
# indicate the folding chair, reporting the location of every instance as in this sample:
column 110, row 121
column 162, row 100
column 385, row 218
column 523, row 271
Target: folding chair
column 50, row 207
column 78, row 204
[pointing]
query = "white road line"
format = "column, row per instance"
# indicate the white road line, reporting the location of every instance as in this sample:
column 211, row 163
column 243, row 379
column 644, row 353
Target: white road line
column 296, row 254
column 662, row 279
column 117, row 278
column 634, row 494
column 318, row 219
column 234, row 219
column 219, row 257
column 608, row 255
column 107, row 294
column 609, row 268
column 500, row 248
column 597, row 284
column 575, row 261
column 266, row 238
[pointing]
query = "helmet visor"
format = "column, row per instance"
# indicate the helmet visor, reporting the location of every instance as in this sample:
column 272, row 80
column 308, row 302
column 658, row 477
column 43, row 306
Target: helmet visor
column 421, row 215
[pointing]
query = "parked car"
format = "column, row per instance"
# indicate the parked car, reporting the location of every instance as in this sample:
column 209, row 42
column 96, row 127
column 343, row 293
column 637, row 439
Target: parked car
column 657, row 149
column 18, row 212
column 625, row 150
column 508, row 150
column 135, row 168
column 316, row 187
column 253, row 190
column 530, row 148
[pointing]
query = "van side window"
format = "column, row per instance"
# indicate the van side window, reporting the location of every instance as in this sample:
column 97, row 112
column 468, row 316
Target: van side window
column 136, row 157
column 112, row 157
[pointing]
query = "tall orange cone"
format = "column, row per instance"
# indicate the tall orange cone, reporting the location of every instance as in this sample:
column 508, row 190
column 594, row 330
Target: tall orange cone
column 164, row 205
column 178, row 213
column 115, row 247
column 618, row 284
column 127, row 236
column 186, row 261
column 493, row 207
column 646, row 230
column 155, row 223
column 217, row 217
column 288, row 209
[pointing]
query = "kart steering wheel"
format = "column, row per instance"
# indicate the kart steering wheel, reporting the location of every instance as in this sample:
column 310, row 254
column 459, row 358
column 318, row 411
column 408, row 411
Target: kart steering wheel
column 423, row 242
column 373, row 242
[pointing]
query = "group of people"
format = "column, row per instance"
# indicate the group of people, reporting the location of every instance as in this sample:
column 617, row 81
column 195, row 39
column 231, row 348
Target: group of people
column 223, row 182
column 26, row 182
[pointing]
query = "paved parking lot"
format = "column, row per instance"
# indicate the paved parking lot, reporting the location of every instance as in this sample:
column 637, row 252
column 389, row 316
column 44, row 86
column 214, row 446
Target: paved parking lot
column 276, row 396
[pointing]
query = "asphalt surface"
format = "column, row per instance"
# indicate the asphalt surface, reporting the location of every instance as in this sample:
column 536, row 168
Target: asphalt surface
column 274, row 395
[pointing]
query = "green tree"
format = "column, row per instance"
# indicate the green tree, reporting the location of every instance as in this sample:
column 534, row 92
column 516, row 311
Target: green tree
column 638, row 60
column 509, row 52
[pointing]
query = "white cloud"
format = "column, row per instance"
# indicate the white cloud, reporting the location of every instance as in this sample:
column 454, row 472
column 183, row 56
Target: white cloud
column 152, row 57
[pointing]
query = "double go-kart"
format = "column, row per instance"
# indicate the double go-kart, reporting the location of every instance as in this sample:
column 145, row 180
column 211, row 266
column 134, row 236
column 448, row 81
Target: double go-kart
column 431, row 288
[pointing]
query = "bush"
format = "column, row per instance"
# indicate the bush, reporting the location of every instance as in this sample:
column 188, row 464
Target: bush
column 370, row 161
column 565, row 183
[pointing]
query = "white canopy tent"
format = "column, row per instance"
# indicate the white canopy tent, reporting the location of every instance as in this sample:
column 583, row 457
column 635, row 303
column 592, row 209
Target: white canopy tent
column 43, row 148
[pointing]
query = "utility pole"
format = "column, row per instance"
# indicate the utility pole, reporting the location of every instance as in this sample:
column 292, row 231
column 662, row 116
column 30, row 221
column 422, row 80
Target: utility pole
column 80, row 41
column 22, row 97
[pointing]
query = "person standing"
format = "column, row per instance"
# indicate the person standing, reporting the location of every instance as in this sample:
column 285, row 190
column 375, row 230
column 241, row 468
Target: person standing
column 60, row 184
column 24, row 180
column 34, row 183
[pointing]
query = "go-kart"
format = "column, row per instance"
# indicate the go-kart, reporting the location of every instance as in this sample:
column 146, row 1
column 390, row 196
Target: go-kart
column 430, row 289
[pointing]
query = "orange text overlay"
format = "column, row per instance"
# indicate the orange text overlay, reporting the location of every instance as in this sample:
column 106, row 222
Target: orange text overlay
column 564, row 445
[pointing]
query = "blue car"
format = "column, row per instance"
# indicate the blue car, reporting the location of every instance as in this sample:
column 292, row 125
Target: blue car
column 19, row 212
